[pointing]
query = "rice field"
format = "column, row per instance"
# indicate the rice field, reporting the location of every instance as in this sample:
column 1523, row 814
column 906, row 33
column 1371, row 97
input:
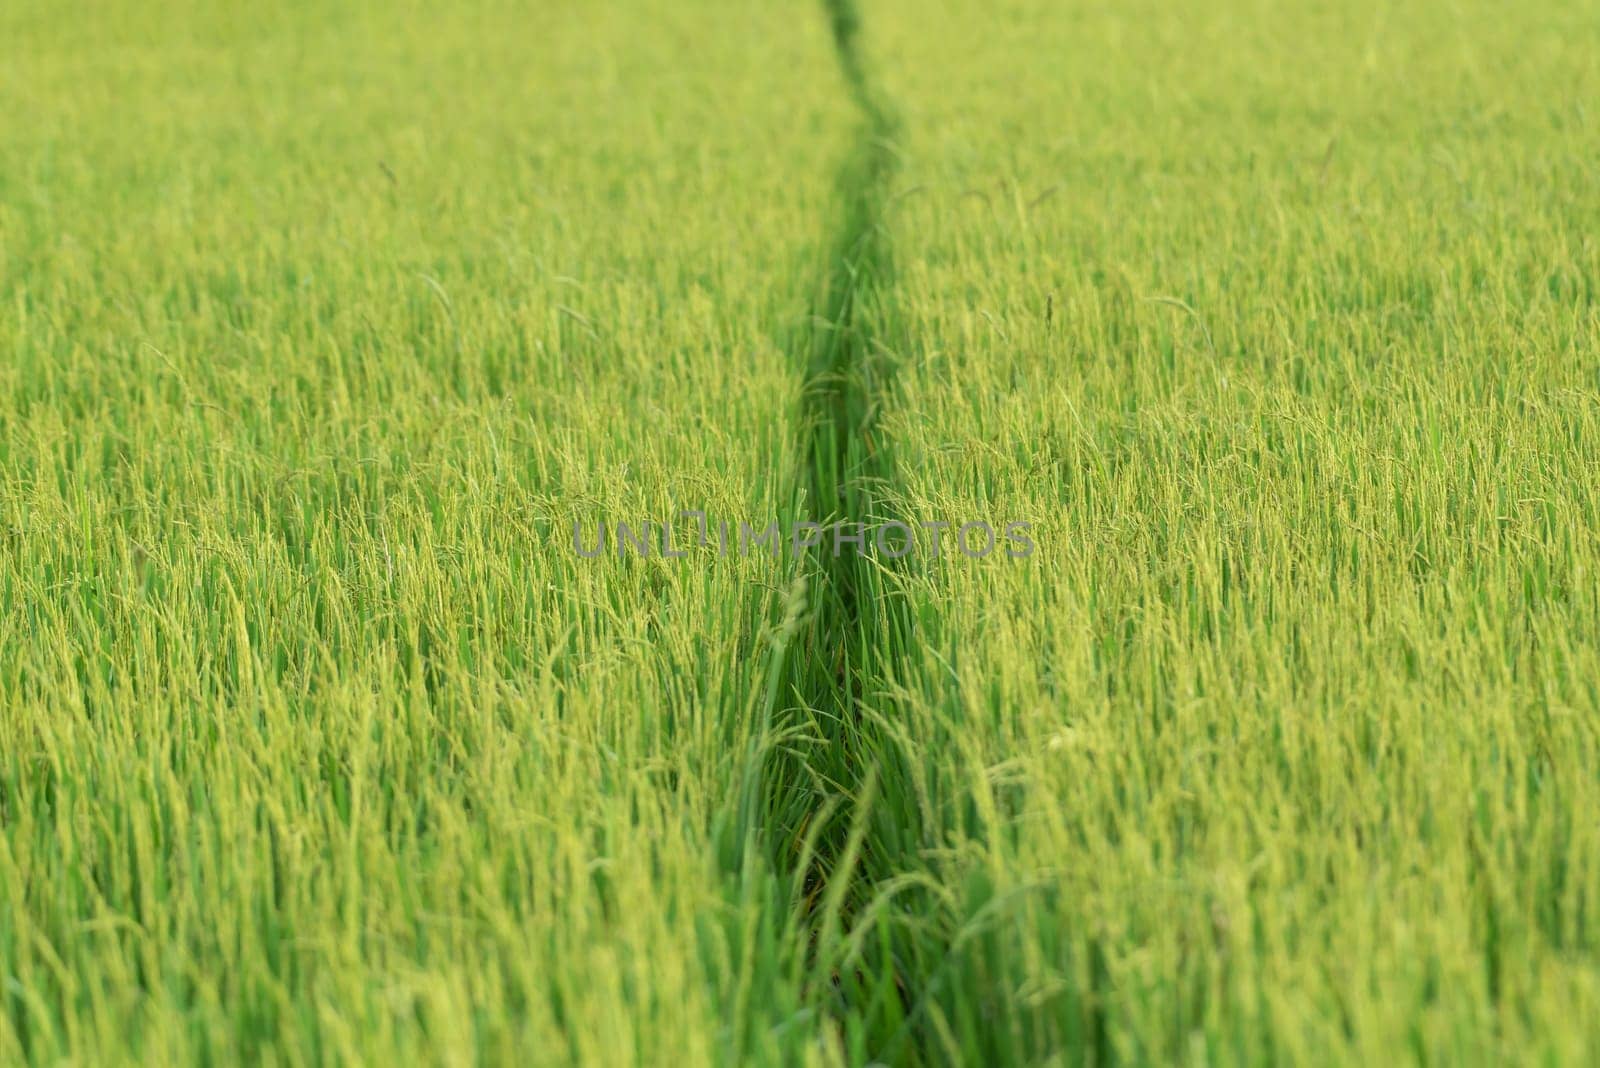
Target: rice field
column 432, row 439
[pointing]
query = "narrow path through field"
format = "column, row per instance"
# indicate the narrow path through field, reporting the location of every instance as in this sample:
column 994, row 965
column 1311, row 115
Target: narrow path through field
column 842, row 818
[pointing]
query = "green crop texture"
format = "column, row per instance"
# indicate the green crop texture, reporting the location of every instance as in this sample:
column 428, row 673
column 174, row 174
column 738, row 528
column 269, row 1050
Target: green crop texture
column 325, row 327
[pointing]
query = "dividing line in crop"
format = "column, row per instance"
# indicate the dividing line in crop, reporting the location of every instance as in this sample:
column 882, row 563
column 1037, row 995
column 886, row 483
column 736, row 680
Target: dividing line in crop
column 840, row 816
